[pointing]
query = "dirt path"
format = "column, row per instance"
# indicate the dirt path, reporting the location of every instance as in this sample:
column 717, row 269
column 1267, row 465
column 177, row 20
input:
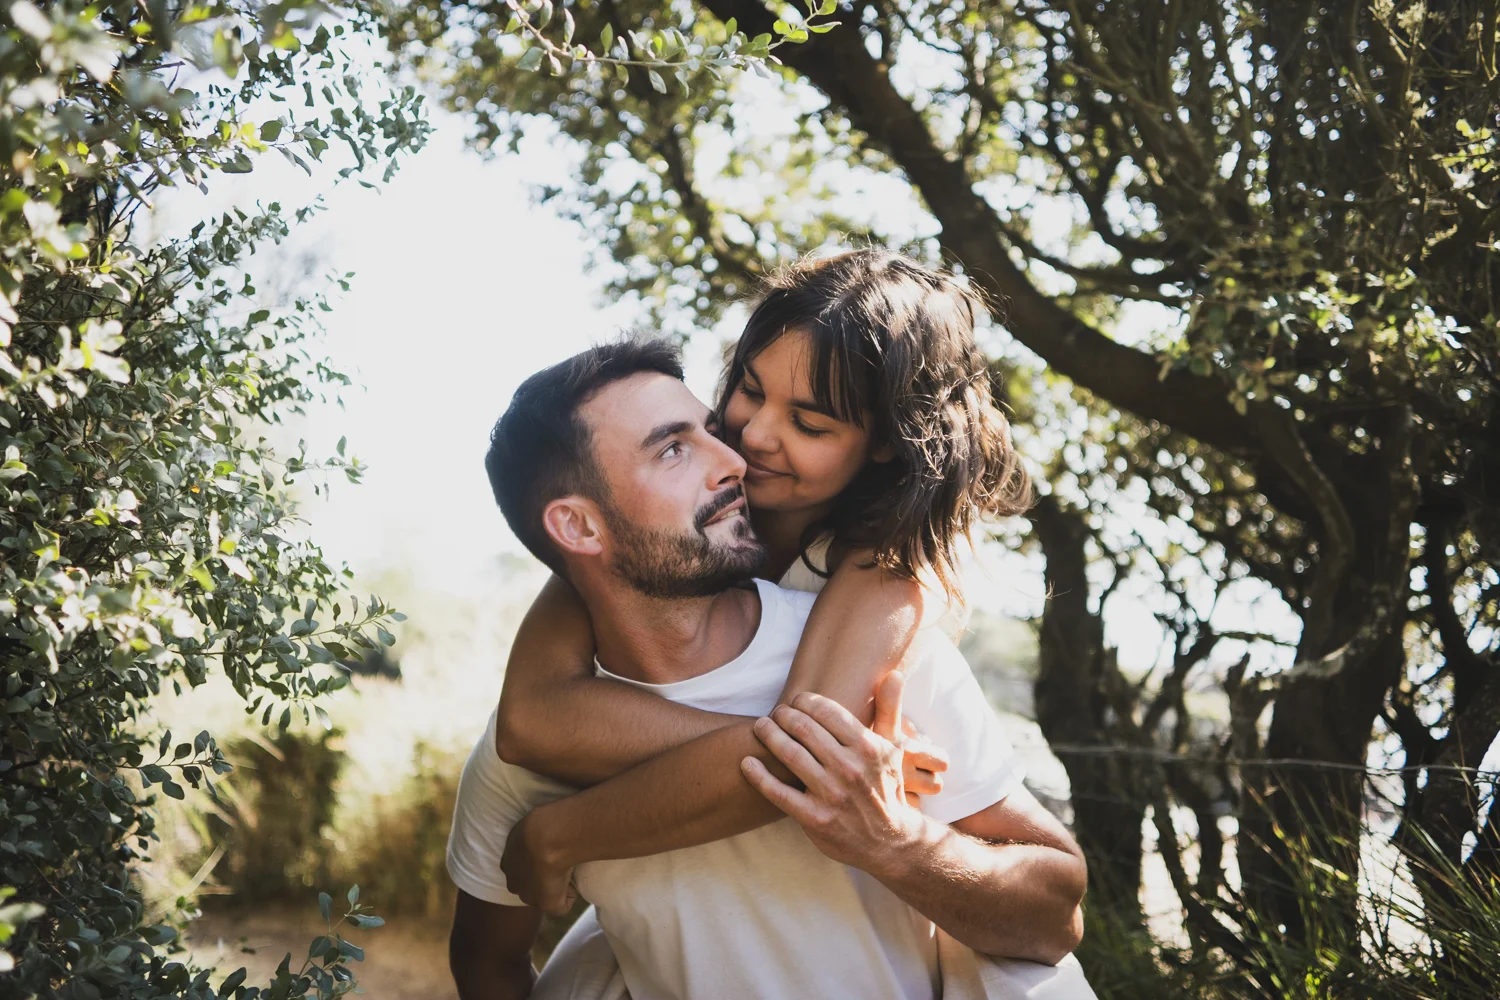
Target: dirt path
column 404, row 960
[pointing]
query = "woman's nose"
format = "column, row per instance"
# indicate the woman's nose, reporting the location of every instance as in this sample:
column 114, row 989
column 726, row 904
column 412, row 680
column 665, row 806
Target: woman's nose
column 757, row 434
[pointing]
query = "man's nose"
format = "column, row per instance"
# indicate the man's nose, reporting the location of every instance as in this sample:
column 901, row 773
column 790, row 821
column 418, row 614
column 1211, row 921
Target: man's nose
column 727, row 468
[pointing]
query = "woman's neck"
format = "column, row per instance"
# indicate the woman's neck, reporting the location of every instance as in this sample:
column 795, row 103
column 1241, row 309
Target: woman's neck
column 781, row 532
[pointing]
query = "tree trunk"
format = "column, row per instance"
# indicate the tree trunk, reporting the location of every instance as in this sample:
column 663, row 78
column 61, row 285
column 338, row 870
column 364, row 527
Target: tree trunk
column 1075, row 671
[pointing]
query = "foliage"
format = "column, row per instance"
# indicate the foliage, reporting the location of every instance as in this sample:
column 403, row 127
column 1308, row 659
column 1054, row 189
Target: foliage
column 275, row 815
column 147, row 537
column 1254, row 247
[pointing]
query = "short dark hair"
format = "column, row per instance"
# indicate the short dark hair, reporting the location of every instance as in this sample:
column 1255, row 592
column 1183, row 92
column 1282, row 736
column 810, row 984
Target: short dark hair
column 541, row 449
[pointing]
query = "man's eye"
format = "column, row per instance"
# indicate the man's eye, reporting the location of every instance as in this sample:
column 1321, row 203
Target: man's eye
column 672, row 450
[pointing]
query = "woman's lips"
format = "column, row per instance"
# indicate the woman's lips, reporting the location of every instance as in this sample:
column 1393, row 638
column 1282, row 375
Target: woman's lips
column 754, row 471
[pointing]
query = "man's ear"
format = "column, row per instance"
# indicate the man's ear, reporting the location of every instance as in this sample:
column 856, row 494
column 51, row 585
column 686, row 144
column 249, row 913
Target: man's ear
column 574, row 525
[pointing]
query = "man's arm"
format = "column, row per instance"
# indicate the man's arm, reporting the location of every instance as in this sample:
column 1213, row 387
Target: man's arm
column 1006, row 881
column 489, row 949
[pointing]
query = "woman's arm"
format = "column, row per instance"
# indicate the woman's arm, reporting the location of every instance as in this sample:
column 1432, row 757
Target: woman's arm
column 861, row 627
column 557, row 718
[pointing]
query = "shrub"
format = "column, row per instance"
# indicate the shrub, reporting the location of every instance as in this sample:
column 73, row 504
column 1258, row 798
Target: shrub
column 146, row 536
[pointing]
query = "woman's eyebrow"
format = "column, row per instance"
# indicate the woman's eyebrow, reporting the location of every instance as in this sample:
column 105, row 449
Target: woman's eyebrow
column 801, row 404
column 814, row 407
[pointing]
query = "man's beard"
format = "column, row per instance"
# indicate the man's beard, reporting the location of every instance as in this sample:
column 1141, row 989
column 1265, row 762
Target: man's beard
column 674, row 565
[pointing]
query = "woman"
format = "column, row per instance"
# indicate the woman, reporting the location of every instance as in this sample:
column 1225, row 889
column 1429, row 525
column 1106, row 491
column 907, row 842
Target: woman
column 862, row 407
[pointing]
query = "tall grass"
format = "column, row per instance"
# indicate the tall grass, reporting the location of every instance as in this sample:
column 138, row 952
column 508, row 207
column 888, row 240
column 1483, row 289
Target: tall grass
column 1426, row 930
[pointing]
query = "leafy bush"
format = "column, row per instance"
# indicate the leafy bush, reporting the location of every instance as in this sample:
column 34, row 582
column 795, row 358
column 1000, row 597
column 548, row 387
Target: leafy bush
column 147, row 538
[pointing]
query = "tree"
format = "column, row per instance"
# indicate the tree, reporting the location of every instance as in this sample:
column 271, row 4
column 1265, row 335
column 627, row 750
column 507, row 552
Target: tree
column 1273, row 304
column 146, row 535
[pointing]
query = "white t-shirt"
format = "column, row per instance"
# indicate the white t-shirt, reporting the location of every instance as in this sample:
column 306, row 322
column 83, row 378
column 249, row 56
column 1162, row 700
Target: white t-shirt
column 762, row 914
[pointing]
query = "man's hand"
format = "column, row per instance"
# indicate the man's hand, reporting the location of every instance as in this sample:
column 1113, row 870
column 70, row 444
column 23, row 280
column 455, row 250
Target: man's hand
column 530, row 875
column 855, row 808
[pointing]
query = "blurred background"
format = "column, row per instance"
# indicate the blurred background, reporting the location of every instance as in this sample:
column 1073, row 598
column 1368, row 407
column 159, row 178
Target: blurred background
column 1243, row 270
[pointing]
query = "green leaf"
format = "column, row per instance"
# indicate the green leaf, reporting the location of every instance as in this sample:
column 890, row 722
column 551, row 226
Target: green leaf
column 270, row 131
column 232, row 981
column 606, row 38
column 828, row 7
column 657, row 84
column 781, row 27
column 353, row 894
column 531, row 59
column 325, row 905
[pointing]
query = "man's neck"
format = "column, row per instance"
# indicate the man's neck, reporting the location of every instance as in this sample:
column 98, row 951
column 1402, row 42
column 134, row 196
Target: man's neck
column 659, row 641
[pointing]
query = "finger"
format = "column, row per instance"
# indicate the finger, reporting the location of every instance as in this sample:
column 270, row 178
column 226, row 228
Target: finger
column 560, row 900
column 792, row 753
column 810, row 733
column 796, row 804
column 833, row 717
column 920, row 782
column 888, row 705
column 909, row 729
column 926, row 756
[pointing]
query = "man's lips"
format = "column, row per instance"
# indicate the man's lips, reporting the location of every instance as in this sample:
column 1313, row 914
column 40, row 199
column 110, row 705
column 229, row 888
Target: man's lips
column 731, row 510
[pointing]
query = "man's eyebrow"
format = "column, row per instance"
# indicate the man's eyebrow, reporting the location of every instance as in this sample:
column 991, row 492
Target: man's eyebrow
column 663, row 431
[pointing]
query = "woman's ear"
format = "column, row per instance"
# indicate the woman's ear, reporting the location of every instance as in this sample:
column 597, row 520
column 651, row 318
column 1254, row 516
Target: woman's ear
column 574, row 525
column 883, row 454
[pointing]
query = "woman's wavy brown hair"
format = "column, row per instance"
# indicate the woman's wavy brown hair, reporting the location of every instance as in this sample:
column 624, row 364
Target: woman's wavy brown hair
column 892, row 344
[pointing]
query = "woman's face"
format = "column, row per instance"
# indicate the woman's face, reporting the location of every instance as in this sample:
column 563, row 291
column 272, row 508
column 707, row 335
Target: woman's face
column 797, row 454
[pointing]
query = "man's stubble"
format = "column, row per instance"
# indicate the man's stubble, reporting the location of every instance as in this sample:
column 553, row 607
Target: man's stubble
column 680, row 565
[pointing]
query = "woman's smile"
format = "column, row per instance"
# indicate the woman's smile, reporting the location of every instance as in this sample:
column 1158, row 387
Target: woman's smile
column 755, row 472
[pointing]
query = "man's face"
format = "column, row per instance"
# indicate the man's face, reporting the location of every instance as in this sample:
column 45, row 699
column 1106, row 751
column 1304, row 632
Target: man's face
column 675, row 511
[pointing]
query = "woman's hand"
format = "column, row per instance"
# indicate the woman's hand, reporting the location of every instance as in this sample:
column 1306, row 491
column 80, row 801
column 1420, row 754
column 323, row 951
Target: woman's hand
column 922, row 762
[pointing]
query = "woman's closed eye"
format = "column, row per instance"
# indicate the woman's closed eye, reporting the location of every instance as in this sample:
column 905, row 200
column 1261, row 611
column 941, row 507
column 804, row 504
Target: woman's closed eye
column 805, row 428
column 750, row 392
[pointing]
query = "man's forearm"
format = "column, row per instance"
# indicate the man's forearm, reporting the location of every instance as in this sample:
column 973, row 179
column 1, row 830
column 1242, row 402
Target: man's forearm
column 1008, row 900
column 688, row 796
column 481, row 980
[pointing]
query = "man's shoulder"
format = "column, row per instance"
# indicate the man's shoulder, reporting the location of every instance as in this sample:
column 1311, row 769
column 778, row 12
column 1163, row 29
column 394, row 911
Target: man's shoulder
column 793, row 602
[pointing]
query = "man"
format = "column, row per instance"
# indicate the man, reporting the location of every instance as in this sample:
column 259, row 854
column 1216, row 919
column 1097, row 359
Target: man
column 605, row 468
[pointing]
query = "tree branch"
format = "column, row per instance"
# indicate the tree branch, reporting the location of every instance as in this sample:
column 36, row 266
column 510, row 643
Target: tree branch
column 839, row 65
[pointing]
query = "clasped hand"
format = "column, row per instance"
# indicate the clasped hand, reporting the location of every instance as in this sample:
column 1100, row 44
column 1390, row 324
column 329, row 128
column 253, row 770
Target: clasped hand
column 861, row 787
column 854, row 805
